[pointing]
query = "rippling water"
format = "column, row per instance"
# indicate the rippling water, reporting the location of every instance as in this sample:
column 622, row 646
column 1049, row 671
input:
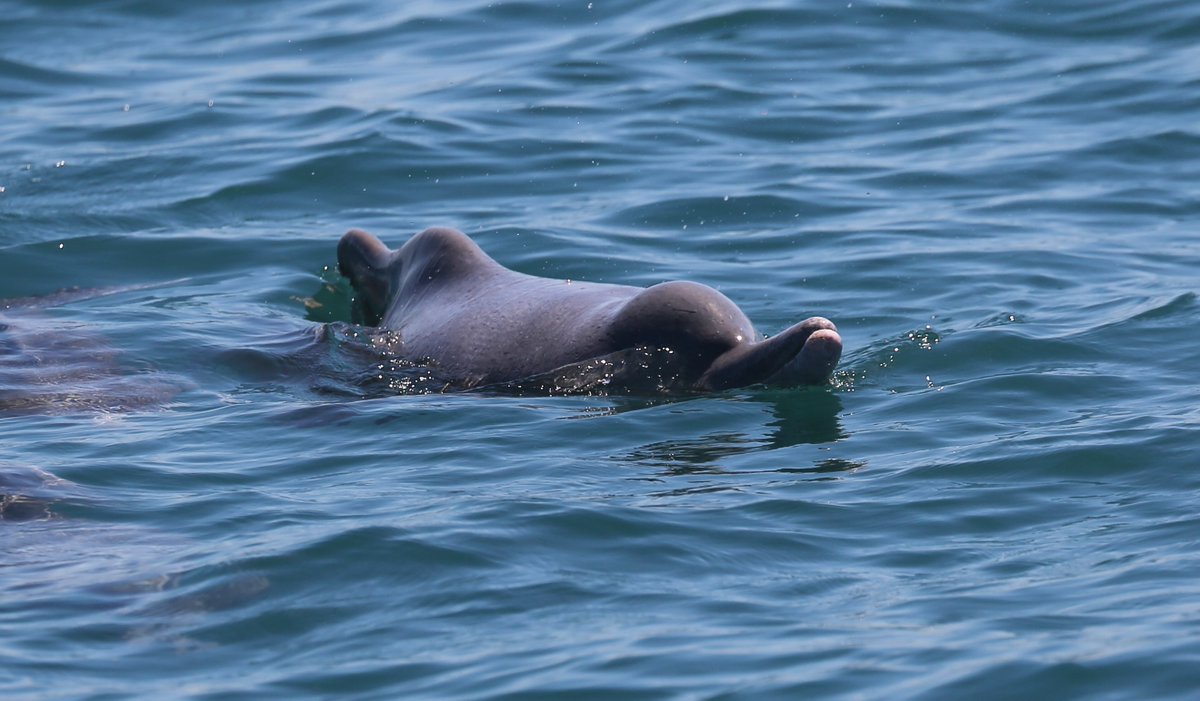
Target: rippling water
column 210, row 487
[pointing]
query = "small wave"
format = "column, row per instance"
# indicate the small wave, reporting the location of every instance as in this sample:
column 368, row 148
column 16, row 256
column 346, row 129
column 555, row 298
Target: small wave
column 19, row 80
column 723, row 211
column 1184, row 304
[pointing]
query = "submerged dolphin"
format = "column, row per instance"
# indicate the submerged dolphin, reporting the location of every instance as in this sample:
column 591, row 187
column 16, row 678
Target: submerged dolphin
column 481, row 323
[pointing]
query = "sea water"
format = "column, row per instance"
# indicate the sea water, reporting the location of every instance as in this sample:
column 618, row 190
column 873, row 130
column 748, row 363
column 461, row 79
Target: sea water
column 211, row 489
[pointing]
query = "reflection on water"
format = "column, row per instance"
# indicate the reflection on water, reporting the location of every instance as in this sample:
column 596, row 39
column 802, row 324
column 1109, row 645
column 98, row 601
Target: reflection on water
column 828, row 465
column 695, row 455
column 806, row 416
column 810, row 416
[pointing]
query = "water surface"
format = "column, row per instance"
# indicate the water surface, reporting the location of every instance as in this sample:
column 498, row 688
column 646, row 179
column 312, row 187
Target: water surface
column 211, row 488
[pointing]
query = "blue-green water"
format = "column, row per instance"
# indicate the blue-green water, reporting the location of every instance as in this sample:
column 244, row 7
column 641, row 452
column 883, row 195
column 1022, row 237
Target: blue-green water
column 212, row 491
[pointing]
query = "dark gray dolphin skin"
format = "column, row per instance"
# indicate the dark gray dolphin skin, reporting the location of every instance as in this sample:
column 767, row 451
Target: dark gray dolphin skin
column 476, row 320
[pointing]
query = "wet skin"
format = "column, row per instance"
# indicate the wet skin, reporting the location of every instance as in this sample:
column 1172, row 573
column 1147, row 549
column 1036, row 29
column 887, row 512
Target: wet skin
column 480, row 322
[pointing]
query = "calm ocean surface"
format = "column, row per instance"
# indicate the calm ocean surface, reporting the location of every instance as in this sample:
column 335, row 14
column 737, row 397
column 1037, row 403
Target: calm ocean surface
column 212, row 488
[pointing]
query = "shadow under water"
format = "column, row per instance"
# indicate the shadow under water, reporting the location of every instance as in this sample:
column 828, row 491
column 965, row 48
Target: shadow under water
column 51, row 366
column 30, row 494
